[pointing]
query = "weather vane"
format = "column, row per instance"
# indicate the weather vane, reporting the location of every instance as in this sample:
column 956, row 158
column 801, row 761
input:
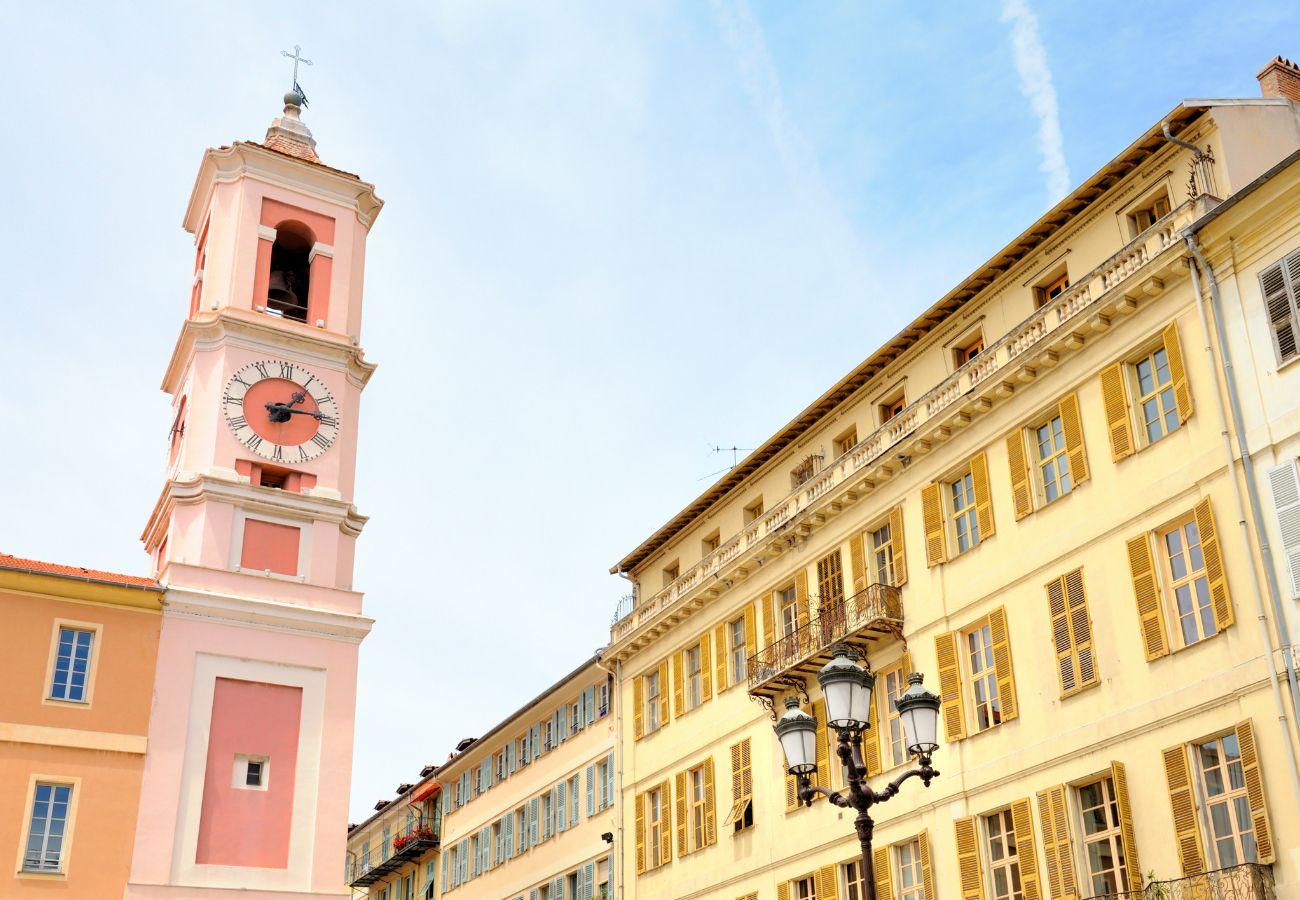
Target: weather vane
column 297, row 57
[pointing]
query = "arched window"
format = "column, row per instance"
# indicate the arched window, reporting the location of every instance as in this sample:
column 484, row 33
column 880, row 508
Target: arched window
column 287, row 288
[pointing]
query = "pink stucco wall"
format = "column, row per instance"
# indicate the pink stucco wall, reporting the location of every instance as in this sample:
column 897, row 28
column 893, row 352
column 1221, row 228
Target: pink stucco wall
column 242, row 826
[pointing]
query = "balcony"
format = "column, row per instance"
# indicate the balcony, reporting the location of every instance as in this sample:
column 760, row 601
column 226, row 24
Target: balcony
column 1094, row 304
column 870, row 616
column 1246, row 882
column 409, row 844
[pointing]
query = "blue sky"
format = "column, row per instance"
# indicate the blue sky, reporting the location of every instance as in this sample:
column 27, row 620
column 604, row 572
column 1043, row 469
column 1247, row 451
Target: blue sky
column 616, row 234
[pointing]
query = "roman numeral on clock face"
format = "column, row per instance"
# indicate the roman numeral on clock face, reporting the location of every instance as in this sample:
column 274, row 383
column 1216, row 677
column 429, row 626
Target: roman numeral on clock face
column 320, row 441
column 278, row 455
column 286, row 370
column 237, row 422
column 262, row 369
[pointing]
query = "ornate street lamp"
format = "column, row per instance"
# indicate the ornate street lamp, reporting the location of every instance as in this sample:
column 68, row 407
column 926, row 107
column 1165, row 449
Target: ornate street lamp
column 847, row 687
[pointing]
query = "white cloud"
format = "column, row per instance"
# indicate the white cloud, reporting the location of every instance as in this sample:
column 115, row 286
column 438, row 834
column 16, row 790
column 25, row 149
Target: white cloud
column 1036, row 84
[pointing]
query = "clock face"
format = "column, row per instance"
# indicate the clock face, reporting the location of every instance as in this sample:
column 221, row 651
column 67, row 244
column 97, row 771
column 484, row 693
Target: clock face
column 281, row 411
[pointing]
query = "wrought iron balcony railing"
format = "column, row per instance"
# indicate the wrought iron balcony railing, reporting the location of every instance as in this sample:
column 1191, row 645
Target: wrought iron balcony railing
column 409, row 843
column 859, row 621
column 1251, row 881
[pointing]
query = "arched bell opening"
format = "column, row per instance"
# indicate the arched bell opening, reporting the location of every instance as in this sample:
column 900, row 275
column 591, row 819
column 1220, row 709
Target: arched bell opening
column 290, row 280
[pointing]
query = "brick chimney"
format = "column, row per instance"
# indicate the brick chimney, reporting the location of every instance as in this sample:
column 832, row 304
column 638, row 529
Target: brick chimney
column 1280, row 78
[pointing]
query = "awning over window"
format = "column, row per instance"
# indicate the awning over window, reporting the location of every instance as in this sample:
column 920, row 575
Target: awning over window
column 426, row 792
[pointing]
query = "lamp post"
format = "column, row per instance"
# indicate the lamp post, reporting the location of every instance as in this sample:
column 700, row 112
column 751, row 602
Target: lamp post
column 847, row 688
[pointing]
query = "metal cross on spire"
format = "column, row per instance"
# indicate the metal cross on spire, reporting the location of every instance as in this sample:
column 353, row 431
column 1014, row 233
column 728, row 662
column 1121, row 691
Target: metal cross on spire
column 297, row 57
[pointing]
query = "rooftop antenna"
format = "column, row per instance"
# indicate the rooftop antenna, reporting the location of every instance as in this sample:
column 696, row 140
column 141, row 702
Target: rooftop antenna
column 735, row 458
column 297, row 57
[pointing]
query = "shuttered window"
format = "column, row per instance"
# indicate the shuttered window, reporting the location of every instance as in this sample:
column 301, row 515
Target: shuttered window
column 958, row 511
column 885, row 560
column 1147, row 398
column 1280, row 286
column 742, row 788
column 653, row 828
column 1067, row 605
column 830, row 581
column 1012, row 859
column 1286, row 504
column 1103, row 841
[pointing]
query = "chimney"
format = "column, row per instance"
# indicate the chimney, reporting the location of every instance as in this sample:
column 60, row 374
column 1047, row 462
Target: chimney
column 1280, row 78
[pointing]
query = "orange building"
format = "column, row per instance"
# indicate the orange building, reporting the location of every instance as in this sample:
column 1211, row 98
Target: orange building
column 78, row 673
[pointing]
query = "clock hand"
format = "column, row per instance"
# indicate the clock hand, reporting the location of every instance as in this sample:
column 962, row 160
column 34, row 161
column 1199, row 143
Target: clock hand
column 279, row 412
column 302, row 412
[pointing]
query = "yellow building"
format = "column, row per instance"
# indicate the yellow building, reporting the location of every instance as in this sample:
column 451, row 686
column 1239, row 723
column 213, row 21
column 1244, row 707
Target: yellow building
column 1026, row 495
column 525, row 811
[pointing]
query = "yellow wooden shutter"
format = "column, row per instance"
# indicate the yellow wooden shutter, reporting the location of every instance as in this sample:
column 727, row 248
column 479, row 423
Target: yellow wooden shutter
column 680, row 778
column 666, row 833
column 1215, row 574
column 1002, row 663
column 1114, row 400
column 1081, row 628
column 679, row 690
column 932, row 515
column 640, row 833
column 858, row 562
column 1178, row 372
column 927, row 869
column 663, row 692
column 1119, row 779
column 979, row 476
column 1066, row 670
column 823, row 746
column 801, row 596
column 1022, row 494
column 1061, row 881
column 1254, row 777
column 783, row 890
column 710, row 808
column 791, row 793
column 706, row 669
column 737, row 791
column 1071, row 633
column 1076, row 453
column 871, row 737
column 899, row 545
column 751, row 634
column 769, row 622
column 945, row 650
column 1022, row 819
column 1146, row 591
column 827, row 884
column 968, row 860
column 882, row 871
column 720, row 657
column 638, row 708
column 1182, row 801
column 747, row 770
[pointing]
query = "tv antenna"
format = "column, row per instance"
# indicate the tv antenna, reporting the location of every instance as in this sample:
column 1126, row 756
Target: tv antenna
column 735, row 458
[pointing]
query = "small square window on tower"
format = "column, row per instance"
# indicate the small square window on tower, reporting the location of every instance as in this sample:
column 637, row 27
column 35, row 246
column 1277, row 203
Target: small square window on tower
column 251, row 773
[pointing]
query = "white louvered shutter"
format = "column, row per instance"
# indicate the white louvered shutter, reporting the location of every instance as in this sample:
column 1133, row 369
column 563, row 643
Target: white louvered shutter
column 1286, row 503
column 1280, row 285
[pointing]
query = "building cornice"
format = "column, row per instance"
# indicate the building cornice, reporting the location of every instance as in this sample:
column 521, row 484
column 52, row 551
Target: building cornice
column 266, row 615
column 88, row 589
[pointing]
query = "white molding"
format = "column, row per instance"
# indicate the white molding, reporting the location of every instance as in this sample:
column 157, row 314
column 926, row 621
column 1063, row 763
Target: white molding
column 319, row 249
column 266, row 233
column 266, row 615
column 51, row 736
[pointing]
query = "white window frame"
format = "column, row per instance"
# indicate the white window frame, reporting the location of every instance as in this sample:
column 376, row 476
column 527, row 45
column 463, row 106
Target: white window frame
column 88, row 695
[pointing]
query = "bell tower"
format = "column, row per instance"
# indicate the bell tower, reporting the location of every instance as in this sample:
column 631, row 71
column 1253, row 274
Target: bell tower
column 250, row 740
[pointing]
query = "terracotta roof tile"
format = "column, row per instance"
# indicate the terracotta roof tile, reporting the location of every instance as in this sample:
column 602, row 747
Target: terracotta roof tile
column 47, row 568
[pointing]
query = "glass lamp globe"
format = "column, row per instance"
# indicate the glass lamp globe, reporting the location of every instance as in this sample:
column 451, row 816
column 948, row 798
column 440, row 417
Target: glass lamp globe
column 847, row 688
column 919, row 710
column 797, row 732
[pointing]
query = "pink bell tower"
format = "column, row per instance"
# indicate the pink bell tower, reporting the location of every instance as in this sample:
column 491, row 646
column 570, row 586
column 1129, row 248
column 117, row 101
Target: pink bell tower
column 250, row 739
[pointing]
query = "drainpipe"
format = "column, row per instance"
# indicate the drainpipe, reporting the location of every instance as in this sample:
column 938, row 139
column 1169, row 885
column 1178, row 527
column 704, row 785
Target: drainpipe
column 616, row 698
column 1253, row 494
column 1198, row 158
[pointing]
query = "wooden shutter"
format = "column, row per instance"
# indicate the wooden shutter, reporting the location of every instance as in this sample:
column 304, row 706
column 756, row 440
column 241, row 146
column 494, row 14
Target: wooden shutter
column 1067, row 606
column 1114, row 400
column 1066, row 670
column 706, row 669
column 1280, row 286
column 883, row 873
column 1255, row 791
column 1022, row 494
column 751, row 633
column 1076, row 596
column 1146, row 591
column 1076, row 454
column 899, row 547
column 871, row 737
column 927, row 869
column 681, row 813
column 769, row 621
column 640, row 833
column 1061, row 880
column 666, row 833
column 1022, row 819
column 742, row 779
column 932, row 516
column 1178, row 372
column 1211, row 551
column 663, row 692
column 801, row 596
column 858, row 562
column 968, row 860
column 791, row 793
column 1182, row 801
column 827, row 884
column 783, row 890
column 823, row 745
column 710, row 808
column 638, row 708
column 720, row 658
column 945, row 650
column 679, row 691
column 1286, row 503
column 979, row 476
column 1002, row 663
column 1119, row 780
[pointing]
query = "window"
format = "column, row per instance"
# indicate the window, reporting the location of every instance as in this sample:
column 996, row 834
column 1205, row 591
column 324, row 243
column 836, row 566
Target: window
column 805, row 888
column 736, row 634
column 892, row 407
column 968, row 350
column 710, row 543
column 575, row 718
column 671, row 572
column 1227, row 807
column 548, row 814
column 543, row 892
column 982, row 677
column 830, row 581
column 753, row 510
column 1004, row 863
column 48, row 828
column 1189, row 586
column 1103, row 842
column 288, row 287
column 602, row 699
column 1149, row 211
column 652, row 701
column 72, row 665
column 1157, row 411
column 571, row 885
column 655, row 826
column 501, row 766
column 696, row 799
column 786, row 600
column 694, row 679
column 882, row 554
column 251, row 772
column 911, row 884
column 521, row 829
column 525, row 749
column 1280, row 286
column 742, row 788
column 962, row 516
column 1051, row 287
column 890, row 685
column 253, row 775
column 846, row 441
column 1156, row 384
column 548, row 734
column 1053, row 464
column 855, row 885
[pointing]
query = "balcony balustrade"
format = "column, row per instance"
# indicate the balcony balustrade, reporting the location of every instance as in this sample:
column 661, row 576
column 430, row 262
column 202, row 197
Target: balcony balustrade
column 1251, row 881
column 1112, row 289
column 408, row 844
column 869, row 616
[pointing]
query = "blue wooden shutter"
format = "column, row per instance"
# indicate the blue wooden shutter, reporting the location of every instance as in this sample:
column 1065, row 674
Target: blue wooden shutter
column 609, row 782
column 557, row 888
column 591, row 791
column 591, row 704
column 588, row 881
column 533, row 824
column 444, row 872
column 561, row 820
